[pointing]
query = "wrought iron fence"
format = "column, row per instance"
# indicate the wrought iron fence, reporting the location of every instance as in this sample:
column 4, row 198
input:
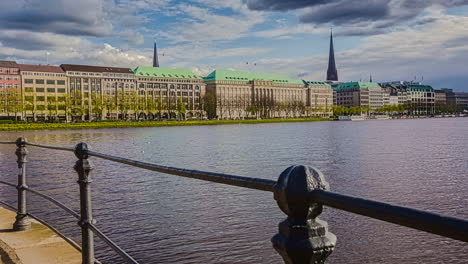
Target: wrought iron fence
column 300, row 191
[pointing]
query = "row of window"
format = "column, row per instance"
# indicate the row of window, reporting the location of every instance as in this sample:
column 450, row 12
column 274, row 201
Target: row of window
column 41, row 90
column 44, row 74
column 167, row 80
column 9, row 85
column 9, row 78
column 41, row 81
column 8, row 70
column 171, row 86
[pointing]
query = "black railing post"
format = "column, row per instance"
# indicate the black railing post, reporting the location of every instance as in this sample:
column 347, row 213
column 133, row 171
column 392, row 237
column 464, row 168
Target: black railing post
column 302, row 237
column 22, row 222
column 83, row 168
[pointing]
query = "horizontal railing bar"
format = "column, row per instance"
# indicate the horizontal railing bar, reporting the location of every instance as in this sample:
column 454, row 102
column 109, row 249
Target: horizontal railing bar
column 59, row 204
column 247, row 182
column 7, row 183
column 112, row 245
column 7, row 142
column 429, row 222
column 68, row 240
column 50, row 146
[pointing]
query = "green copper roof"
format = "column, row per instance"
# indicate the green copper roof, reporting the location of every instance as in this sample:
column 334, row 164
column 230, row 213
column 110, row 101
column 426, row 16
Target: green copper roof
column 420, row 88
column 314, row 82
column 358, row 85
column 227, row 75
column 159, row 72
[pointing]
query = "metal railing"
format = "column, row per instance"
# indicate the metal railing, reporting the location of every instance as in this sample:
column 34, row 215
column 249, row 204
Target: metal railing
column 300, row 191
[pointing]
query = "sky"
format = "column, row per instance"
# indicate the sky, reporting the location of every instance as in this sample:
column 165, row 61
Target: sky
column 423, row 40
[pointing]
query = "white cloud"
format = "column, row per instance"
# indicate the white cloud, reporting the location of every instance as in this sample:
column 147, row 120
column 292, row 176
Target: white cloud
column 203, row 25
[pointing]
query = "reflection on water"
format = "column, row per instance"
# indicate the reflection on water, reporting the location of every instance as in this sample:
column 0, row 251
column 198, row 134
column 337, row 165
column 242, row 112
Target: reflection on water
column 161, row 218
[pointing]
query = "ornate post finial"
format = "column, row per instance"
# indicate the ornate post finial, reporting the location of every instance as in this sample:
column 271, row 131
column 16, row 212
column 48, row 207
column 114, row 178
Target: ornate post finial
column 302, row 237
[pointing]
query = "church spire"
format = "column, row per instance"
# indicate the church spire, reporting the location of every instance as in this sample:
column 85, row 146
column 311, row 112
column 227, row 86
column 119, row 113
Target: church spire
column 155, row 56
column 370, row 78
column 332, row 73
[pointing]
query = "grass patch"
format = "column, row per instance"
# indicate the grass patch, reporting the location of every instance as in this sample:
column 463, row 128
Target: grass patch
column 122, row 124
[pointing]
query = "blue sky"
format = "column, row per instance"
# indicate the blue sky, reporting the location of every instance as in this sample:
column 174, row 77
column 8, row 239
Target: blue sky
column 390, row 39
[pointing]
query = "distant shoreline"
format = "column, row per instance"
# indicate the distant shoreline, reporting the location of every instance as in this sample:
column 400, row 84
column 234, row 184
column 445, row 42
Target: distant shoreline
column 124, row 124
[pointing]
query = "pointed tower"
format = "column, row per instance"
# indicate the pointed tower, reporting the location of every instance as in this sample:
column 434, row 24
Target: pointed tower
column 332, row 73
column 155, row 56
column 370, row 78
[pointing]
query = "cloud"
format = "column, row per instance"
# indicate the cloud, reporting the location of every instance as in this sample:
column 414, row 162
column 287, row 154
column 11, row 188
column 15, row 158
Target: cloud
column 201, row 24
column 69, row 17
column 356, row 16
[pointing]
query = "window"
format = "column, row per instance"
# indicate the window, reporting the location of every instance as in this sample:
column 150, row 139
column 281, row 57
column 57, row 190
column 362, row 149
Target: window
column 61, row 82
column 51, row 90
column 40, row 98
column 29, row 90
column 39, row 90
column 28, row 80
column 50, row 81
column 61, row 90
column 39, row 81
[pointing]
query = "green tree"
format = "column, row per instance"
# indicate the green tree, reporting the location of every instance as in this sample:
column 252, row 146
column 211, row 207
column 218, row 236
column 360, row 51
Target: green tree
column 209, row 105
column 181, row 109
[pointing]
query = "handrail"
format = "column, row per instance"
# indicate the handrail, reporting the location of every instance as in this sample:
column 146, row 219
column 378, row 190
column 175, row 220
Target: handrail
column 241, row 181
column 111, row 244
column 50, row 146
column 7, row 183
column 446, row 226
column 7, row 142
column 59, row 204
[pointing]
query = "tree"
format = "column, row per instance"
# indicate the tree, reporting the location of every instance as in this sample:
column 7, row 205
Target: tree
column 181, row 109
column 98, row 105
column 209, row 105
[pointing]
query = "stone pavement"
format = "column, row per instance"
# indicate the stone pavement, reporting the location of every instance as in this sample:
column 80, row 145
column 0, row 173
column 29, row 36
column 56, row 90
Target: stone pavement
column 40, row 245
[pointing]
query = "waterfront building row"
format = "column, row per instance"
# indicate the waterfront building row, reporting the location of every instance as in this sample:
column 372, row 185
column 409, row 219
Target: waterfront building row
column 94, row 92
column 417, row 98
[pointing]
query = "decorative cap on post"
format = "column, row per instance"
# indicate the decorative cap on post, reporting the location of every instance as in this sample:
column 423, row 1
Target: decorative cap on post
column 302, row 237
column 20, row 142
column 81, row 151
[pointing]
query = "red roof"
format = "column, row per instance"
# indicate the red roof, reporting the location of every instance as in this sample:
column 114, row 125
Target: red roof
column 11, row 64
column 88, row 68
column 40, row 68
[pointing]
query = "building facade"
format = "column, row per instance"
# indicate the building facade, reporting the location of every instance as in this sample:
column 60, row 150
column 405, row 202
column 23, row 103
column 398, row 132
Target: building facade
column 422, row 99
column 359, row 94
column 44, row 92
column 319, row 98
column 461, row 100
column 164, row 90
column 239, row 94
column 10, row 90
column 440, row 97
column 98, row 92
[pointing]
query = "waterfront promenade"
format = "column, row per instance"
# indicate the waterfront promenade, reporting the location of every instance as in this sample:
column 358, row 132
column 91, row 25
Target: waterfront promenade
column 40, row 245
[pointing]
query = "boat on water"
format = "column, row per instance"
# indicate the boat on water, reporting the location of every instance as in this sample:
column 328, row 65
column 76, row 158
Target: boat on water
column 352, row 118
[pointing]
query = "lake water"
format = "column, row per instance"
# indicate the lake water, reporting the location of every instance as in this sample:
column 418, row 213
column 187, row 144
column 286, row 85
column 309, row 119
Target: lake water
column 159, row 218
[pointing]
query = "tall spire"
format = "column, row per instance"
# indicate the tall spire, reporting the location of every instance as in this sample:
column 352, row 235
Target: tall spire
column 155, row 56
column 332, row 73
column 370, row 78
